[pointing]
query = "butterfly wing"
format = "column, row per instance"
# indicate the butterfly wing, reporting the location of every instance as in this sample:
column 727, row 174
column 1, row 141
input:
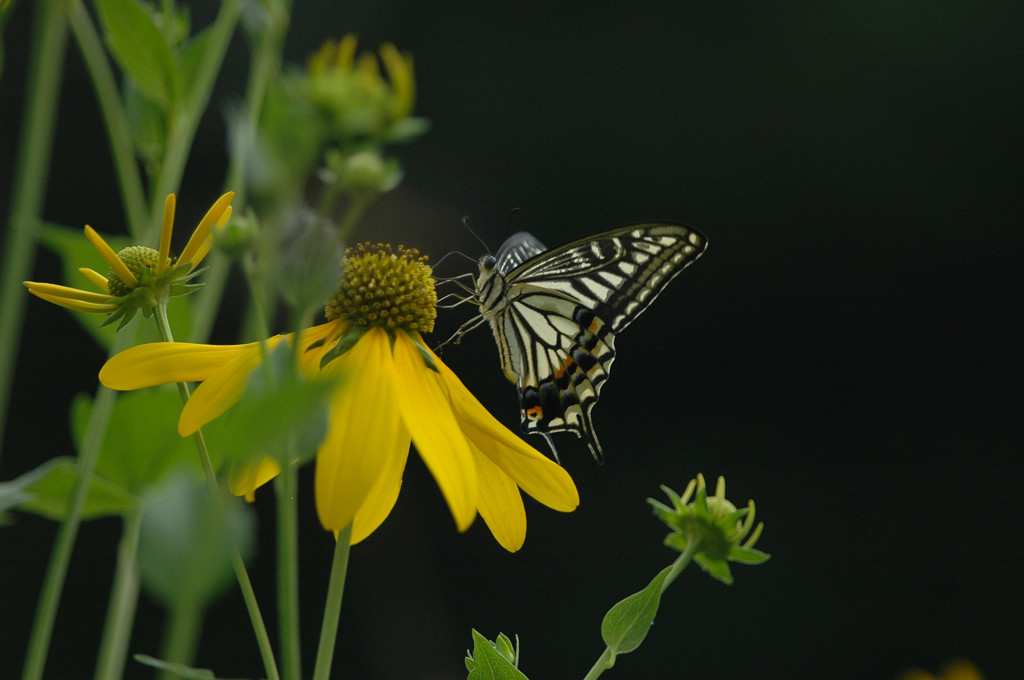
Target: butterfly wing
column 560, row 310
column 517, row 249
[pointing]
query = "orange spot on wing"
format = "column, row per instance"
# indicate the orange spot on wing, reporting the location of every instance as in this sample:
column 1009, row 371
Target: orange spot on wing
column 566, row 363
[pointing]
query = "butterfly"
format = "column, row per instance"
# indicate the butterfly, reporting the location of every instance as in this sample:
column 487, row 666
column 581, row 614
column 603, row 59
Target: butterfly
column 555, row 314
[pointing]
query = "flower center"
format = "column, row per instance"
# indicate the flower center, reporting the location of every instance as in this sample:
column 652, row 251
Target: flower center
column 136, row 258
column 381, row 287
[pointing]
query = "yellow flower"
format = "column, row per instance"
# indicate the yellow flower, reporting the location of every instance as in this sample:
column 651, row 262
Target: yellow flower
column 139, row 277
column 392, row 391
column 959, row 669
column 352, row 91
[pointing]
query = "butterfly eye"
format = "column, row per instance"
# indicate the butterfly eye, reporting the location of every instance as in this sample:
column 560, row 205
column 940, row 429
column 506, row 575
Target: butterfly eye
column 489, row 262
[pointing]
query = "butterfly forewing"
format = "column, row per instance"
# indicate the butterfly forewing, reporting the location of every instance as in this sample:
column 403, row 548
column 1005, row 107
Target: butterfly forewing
column 622, row 270
column 555, row 315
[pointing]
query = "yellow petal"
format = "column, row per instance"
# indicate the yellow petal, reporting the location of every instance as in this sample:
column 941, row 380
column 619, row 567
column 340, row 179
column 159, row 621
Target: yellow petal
column 57, row 290
column 364, row 431
column 159, row 363
column 166, row 229
column 439, row 441
column 99, row 280
column 500, row 503
column 384, row 492
column 204, row 249
column 77, row 305
column 534, row 472
column 403, row 83
column 199, row 236
column 223, row 389
column 346, row 52
column 127, row 278
column 244, row 479
column 326, row 334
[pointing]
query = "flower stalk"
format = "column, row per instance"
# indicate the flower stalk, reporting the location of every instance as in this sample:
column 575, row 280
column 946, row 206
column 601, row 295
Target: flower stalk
column 28, row 193
column 182, row 619
column 332, row 607
column 123, row 601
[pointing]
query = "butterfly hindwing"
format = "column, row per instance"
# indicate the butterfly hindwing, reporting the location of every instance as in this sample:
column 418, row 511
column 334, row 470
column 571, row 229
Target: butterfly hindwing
column 555, row 313
column 517, row 249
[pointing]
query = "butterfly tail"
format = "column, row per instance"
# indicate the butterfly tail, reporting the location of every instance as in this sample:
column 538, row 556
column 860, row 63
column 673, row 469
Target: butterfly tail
column 587, row 429
column 551, row 445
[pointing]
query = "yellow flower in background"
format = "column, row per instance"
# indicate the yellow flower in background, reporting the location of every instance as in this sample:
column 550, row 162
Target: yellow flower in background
column 139, row 277
column 392, row 391
column 352, row 92
column 959, row 669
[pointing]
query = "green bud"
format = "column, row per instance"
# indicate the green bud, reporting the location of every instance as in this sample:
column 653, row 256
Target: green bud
column 710, row 528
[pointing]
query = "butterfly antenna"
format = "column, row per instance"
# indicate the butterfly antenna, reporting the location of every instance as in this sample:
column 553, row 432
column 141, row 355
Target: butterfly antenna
column 465, row 223
column 508, row 225
column 454, row 252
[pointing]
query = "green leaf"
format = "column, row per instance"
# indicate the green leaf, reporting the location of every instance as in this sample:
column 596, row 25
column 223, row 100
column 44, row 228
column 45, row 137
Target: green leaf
column 192, row 55
column 143, row 443
column 279, row 405
column 142, row 50
column 716, row 568
column 148, row 123
column 180, row 670
column 47, row 491
column 406, row 130
column 626, row 624
column 747, row 555
column 487, row 662
column 188, row 540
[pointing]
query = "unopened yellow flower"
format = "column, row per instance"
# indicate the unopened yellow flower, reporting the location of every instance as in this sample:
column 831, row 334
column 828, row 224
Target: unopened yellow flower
column 393, row 391
column 352, row 92
column 139, row 277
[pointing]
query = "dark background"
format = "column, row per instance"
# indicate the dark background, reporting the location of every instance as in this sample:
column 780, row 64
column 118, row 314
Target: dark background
column 847, row 352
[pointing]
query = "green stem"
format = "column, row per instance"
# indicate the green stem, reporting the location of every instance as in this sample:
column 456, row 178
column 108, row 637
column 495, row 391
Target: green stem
column 185, row 119
column 181, row 636
column 133, row 195
column 681, row 563
column 355, row 211
column 56, row 571
column 606, row 661
column 286, row 487
column 258, row 626
column 248, row 594
column 332, row 608
column 30, row 180
column 603, row 663
column 266, row 63
column 124, row 597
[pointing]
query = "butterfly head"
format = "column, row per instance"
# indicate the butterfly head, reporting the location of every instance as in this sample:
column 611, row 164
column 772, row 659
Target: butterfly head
column 489, row 283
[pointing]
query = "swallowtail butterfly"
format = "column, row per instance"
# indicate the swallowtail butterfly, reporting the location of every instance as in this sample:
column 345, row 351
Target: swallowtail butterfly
column 555, row 314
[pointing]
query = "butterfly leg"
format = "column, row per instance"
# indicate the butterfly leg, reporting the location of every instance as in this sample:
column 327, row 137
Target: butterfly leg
column 472, row 324
column 459, row 300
